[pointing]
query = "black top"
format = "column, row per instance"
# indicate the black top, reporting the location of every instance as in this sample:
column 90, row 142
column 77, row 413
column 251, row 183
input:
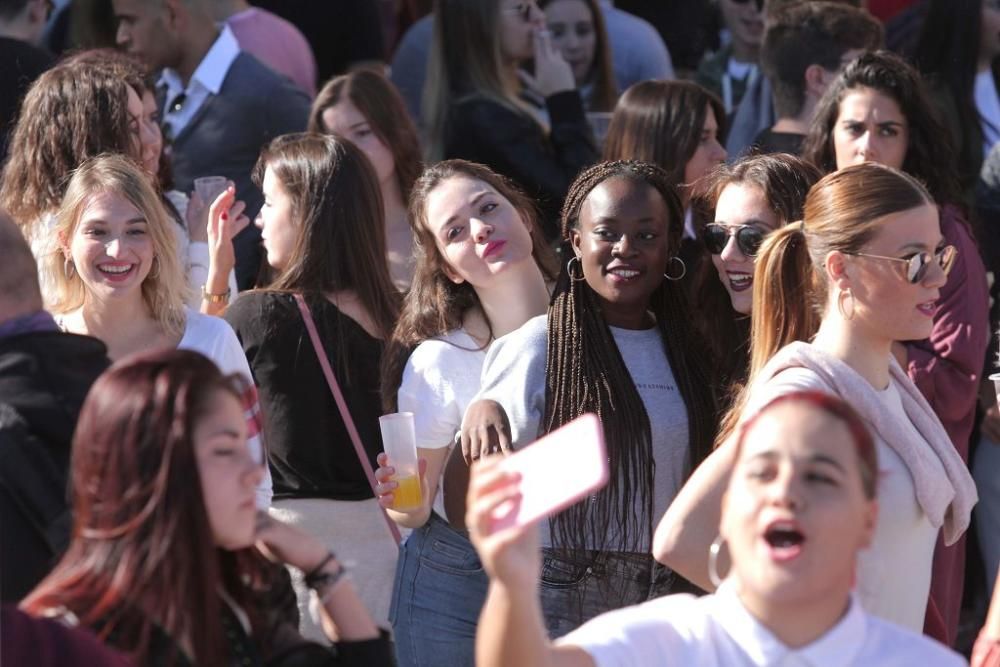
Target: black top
column 768, row 141
column 513, row 144
column 22, row 64
column 44, row 378
column 308, row 445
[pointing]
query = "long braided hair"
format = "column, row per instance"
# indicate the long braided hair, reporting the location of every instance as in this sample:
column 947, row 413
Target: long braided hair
column 585, row 372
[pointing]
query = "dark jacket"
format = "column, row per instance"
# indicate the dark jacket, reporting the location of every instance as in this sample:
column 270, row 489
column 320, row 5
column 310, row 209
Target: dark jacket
column 44, row 378
column 515, row 145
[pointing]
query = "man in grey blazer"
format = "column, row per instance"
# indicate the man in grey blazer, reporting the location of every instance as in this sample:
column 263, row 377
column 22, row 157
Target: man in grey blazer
column 219, row 106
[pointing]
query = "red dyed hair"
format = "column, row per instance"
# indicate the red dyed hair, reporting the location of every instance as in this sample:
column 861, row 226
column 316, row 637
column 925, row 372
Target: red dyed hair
column 835, row 407
column 142, row 553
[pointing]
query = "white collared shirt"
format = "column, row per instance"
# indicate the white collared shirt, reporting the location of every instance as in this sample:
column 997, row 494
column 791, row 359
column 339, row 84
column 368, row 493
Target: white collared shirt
column 206, row 80
column 718, row 631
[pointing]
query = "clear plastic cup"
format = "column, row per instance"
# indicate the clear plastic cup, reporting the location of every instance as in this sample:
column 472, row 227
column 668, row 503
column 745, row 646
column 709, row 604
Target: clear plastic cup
column 209, row 188
column 400, row 442
column 996, row 386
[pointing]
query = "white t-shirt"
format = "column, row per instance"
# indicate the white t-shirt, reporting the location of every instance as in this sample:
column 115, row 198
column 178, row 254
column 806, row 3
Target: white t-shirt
column 718, row 631
column 894, row 574
column 439, row 382
column 214, row 338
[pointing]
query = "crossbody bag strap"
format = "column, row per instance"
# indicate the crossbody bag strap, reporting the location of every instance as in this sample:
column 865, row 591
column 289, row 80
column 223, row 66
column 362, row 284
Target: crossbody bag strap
column 345, row 414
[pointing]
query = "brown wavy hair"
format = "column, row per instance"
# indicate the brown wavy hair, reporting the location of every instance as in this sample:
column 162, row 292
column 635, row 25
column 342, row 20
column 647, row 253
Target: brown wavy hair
column 383, row 107
column 435, row 305
column 142, row 555
column 72, row 112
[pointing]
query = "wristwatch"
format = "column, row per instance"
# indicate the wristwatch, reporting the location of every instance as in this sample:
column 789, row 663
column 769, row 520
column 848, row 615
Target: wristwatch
column 215, row 298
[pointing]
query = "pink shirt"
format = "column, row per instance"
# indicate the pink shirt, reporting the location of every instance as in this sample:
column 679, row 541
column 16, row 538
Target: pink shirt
column 276, row 43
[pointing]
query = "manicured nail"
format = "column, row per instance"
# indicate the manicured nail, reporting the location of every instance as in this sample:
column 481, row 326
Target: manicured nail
column 225, row 215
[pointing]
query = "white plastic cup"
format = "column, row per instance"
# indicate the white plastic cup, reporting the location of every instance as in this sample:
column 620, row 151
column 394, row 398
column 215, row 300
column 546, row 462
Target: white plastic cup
column 399, row 439
column 996, row 386
column 209, row 188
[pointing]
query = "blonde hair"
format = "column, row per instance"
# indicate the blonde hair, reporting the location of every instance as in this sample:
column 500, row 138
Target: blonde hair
column 465, row 60
column 843, row 212
column 165, row 289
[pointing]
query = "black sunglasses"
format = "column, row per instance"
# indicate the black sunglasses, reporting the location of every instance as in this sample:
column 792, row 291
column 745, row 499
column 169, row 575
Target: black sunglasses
column 918, row 264
column 748, row 239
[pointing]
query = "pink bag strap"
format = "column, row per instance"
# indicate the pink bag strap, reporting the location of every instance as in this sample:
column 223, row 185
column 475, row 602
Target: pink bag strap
column 345, row 414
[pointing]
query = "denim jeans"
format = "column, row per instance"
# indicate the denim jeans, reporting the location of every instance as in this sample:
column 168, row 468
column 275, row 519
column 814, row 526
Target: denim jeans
column 439, row 591
column 577, row 589
column 986, row 472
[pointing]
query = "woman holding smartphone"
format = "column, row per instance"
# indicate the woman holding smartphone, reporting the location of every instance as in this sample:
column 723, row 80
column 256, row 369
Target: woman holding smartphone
column 800, row 505
column 616, row 341
column 482, row 269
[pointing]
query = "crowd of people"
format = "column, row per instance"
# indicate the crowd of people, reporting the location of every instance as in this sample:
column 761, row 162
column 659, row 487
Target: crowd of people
column 756, row 238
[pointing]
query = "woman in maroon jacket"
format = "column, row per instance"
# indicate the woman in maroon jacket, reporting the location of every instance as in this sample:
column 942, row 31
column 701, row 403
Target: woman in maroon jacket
column 877, row 110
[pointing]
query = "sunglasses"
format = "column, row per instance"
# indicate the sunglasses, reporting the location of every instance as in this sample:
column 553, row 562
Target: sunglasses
column 748, row 239
column 522, row 9
column 918, row 264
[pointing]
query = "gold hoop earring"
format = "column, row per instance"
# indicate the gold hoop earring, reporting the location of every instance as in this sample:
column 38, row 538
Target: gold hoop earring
column 569, row 270
column 713, row 560
column 69, row 269
column 840, row 304
column 684, row 269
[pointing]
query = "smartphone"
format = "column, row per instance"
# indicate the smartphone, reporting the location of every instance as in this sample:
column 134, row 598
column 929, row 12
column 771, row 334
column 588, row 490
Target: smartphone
column 556, row 471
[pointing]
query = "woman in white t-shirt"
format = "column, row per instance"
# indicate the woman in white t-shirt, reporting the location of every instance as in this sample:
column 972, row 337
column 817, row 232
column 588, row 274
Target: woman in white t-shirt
column 864, row 269
column 799, row 507
column 117, row 277
column 481, row 272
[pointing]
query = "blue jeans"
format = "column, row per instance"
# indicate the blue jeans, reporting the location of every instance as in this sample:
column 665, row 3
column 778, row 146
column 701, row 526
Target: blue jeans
column 439, row 591
column 986, row 472
column 575, row 590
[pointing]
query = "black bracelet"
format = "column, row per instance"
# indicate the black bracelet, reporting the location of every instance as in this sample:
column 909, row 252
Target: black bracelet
column 316, row 577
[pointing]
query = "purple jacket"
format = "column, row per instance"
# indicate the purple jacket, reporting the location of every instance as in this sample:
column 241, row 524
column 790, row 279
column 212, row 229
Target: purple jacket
column 947, row 366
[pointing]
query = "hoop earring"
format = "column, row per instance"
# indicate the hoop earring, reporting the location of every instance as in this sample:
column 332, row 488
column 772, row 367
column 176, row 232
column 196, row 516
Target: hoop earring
column 569, row 269
column 684, row 269
column 69, row 269
column 713, row 560
column 840, row 304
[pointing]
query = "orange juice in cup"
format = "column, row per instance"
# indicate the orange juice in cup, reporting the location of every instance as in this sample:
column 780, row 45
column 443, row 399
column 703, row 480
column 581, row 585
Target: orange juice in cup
column 400, row 442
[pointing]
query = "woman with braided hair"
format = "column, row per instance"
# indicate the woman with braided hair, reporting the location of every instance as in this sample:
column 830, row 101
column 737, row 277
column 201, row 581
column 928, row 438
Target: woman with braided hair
column 616, row 341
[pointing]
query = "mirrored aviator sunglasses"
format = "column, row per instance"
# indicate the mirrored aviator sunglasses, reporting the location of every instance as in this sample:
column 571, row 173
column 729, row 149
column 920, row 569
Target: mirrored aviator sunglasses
column 918, row 264
column 748, row 239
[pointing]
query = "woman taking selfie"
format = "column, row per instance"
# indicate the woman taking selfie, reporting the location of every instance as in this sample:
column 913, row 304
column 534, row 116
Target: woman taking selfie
column 863, row 270
column 482, row 269
column 167, row 557
column 616, row 341
column 799, row 507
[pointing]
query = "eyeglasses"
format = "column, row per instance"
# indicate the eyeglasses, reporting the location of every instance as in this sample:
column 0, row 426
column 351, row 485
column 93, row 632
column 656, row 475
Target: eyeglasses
column 748, row 238
column 523, row 9
column 918, row 264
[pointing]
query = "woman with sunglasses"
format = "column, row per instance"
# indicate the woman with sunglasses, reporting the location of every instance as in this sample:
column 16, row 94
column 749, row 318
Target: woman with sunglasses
column 877, row 110
column 752, row 197
column 474, row 103
column 864, row 269
column 799, row 510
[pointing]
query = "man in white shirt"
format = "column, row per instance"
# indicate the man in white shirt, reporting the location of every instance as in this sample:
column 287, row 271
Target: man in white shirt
column 219, row 106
